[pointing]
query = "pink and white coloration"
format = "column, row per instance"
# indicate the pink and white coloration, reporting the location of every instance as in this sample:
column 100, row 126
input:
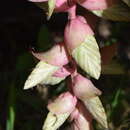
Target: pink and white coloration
column 60, row 5
column 63, row 72
column 79, row 48
column 57, row 55
column 65, row 103
column 75, row 32
column 64, row 5
column 81, row 118
column 83, row 88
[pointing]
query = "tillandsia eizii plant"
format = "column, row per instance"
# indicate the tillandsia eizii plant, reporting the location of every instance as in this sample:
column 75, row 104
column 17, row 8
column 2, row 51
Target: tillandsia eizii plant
column 81, row 103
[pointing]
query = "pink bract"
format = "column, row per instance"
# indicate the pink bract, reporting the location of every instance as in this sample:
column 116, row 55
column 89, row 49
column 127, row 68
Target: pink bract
column 83, row 88
column 57, row 55
column 60, row 6
column 96, row 4
column 81, row 118
column 63, row 72
column 75, row 32
column 63, row 5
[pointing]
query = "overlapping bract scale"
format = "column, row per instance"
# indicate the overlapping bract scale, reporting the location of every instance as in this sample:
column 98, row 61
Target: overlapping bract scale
column 87, row 56
column 96, row 108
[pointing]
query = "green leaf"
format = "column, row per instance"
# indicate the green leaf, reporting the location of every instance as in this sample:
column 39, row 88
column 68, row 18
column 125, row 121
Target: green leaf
column 51, row 7
column 53, row 122
column 96, row 108
column 41, row 73
column 87, row 56
column 11, row 108
column 118, row 12
column 116, row 99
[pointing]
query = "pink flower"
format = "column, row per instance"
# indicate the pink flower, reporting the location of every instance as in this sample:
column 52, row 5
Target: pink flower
column 76, row 31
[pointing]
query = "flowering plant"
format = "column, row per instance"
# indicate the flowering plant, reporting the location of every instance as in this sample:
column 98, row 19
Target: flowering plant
column 81, row 103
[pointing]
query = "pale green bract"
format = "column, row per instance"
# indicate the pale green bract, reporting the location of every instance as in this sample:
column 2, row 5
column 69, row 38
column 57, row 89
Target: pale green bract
column 95, row 107
column 53, row 121
column 41, row 74
column 118, row 12
column 51, row 7
column 87, row 56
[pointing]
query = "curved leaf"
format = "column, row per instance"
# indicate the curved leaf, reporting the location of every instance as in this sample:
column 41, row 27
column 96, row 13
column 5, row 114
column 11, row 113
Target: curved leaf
column 87, row 56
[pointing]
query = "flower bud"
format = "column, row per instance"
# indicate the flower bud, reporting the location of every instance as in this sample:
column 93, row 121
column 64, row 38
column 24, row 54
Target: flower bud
column 57, row 55
column 76, row 31
column 65, row 103
column 83, row 88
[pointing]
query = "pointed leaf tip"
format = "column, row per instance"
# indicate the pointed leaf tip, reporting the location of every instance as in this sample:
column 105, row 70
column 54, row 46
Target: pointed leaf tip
column 53, row 122
column 51, row 7
column 40, row 74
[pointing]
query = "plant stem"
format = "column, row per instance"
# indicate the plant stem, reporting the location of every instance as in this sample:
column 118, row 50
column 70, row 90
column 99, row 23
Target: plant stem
column 72, row 12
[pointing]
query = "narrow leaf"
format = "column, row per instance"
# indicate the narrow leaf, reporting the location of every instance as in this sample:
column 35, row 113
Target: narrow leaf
column 118, row 12
column 95, row 107
column 53, row 121
column 51, row 7
column 40, row 74
column 11, row 113
column 87, row 56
